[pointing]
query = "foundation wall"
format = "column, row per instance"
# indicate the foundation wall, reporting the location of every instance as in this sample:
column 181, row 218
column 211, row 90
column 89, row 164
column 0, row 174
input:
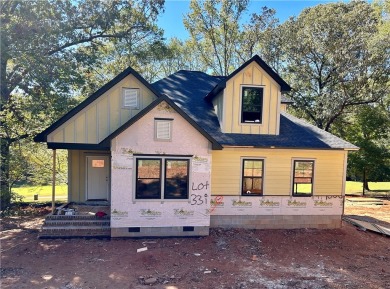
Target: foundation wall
column 160, row 232
column 276, row 222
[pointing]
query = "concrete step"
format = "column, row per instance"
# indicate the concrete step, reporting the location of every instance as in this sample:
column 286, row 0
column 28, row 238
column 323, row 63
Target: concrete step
column 61, row 226
column 74, row 231
column 76, row 217
column 67, row 223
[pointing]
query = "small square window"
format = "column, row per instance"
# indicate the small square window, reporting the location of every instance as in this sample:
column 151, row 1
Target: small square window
column 130, row 98
column 252, row 104
column 163, row 129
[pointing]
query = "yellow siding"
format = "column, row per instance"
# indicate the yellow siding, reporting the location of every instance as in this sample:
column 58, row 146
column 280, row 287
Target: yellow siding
column 328, row 171
column 283, row 107
column 253, row 74
column 103, row 116
column 267, row 113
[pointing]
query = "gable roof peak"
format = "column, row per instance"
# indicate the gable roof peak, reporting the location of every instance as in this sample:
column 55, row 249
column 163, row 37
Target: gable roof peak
column 42, row 136
column 256, row 58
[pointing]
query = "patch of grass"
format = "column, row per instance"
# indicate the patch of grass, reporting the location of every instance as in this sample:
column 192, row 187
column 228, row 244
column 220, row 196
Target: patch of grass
column 357, row 187
column 43, row 192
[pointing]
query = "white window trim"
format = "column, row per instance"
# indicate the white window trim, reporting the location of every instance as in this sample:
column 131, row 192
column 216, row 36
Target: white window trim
column 264, row 159
column 123, row 97
column 168, row 120
column 292, row 176
column 162, row 158
column 242, row 86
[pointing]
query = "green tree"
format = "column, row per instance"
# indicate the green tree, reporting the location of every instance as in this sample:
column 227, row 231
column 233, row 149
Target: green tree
column 260, row 36
column 47, row 50
column 368, row 128
column 335, row 59
column 221, row 37
column 214, row 28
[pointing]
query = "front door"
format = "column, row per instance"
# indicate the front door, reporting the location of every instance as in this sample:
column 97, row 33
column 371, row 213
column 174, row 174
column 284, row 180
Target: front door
column 98, row 177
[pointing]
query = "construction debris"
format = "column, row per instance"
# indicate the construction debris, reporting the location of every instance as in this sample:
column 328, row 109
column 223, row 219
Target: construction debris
column 365, row 225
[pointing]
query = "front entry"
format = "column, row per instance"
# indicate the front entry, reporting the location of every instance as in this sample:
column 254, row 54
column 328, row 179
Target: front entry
column 98, row 177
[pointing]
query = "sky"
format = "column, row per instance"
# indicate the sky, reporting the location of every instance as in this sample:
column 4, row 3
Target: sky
column 172, row 20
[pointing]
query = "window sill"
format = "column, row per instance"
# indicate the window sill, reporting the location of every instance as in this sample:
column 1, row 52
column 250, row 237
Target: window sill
column 251, row 123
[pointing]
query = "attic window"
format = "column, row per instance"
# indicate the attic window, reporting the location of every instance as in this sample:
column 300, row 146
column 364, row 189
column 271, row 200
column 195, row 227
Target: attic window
column 130, row 98
column 163, row 129
column 251, row 104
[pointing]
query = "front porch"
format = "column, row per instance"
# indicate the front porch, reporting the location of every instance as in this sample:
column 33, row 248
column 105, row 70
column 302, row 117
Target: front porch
column 89, row 219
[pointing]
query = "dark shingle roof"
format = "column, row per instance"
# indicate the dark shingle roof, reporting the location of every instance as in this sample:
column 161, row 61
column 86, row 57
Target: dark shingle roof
column 188, row 90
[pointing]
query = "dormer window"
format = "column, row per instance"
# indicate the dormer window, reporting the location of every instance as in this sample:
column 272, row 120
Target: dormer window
column 251, row 104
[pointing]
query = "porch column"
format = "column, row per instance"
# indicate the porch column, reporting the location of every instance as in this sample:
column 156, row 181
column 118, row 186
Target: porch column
column 53, row 192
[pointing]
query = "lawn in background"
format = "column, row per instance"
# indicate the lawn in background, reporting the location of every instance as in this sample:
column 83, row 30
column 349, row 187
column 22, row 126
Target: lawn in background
column 43, row 192
column 357, row 187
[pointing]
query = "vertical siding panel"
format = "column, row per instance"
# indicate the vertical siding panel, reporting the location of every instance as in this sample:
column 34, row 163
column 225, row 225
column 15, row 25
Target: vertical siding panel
column 114, row 111
column 266, row 106
column 69, row 132
column 277, row 116
column 232, row 116
column 86, row 127
column 91, row 124
column 102, row 118
column 59, row 136
column 273, row 108
column 75, row 171
column 252, row 71
column 269, row 89
column 82, row 178
column 247, row 76
column 256, row 76
column 80, row 129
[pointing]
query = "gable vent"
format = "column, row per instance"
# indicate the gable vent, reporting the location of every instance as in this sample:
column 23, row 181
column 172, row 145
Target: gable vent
column 163, row 129
column 130, row 98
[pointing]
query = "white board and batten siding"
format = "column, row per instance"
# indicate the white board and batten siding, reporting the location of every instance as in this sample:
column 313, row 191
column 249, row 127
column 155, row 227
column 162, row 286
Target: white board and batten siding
column 106, row 114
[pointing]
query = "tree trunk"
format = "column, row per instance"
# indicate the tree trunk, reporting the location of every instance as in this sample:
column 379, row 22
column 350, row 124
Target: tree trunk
column 365, row 182
column 4, row 170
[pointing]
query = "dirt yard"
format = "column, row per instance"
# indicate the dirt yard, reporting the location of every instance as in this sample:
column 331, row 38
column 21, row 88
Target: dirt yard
column 305, row 258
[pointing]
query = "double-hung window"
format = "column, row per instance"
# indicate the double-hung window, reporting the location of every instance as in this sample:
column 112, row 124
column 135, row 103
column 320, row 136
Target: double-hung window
column 303, row 178
column 162, row 178
column 252, row 177
column 251, row 104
